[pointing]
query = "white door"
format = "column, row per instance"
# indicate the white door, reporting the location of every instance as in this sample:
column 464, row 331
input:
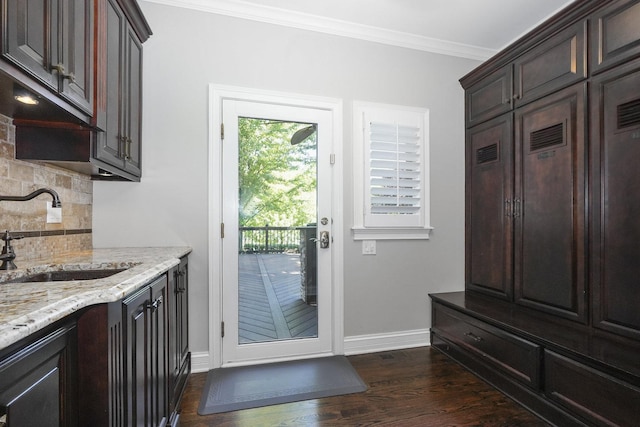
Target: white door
column 262, row 268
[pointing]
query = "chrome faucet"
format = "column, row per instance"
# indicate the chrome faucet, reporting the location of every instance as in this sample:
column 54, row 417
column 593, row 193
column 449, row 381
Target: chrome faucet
column 8, row 255
column 56, row 199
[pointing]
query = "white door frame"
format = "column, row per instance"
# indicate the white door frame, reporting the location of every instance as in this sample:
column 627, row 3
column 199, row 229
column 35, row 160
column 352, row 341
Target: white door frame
column 218, row 93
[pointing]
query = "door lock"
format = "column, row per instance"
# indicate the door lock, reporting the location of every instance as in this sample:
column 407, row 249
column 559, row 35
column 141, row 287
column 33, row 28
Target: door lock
column 324, row 239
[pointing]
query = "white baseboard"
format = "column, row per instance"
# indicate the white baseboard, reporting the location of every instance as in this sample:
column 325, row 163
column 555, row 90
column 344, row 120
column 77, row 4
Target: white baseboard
column 200, row 362
column 359, row 344
column 373, row 343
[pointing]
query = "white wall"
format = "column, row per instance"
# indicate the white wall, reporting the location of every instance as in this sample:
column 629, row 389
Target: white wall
column 385, row 293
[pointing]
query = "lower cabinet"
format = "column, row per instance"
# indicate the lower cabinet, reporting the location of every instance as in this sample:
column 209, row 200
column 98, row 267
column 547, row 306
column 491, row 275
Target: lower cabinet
column 515, row 356
column 179, row 355
column 133, row 357
column 38, row 383
column 594, row 395
column 560, row 372
column 145, row 315
column 123, row 363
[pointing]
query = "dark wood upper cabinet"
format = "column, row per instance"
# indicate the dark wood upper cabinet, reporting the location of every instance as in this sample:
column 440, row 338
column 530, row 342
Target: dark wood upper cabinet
column 490, row 97
column 52, row 41
column 554, row 64
column 77, row 70
column 550, row 189
column 32, row 37
column 489, row 207
column 525, row 165
column 615, row 152
column 552, row 228
column 119, row 144
column 83, row 59
column 615, row 34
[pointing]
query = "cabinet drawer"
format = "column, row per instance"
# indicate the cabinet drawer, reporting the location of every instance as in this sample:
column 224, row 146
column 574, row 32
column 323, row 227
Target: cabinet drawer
column 599, row 398
column 615, row 34
column 490, row 97
column 515, row 356
column 554, row 64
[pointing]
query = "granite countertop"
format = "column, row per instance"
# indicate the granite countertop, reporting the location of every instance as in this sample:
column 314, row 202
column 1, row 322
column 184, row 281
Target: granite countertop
column 28, row 307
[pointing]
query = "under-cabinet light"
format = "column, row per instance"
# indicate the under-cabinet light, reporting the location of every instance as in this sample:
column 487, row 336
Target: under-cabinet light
column 26, row 99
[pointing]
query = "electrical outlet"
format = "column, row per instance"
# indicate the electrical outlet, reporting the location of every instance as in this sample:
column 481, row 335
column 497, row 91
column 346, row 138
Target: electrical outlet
column 54, row 215
column 368, row 247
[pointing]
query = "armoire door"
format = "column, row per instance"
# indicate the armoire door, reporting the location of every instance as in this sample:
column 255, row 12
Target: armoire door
column 549, row 225
column 616, row 225
column 489, row 207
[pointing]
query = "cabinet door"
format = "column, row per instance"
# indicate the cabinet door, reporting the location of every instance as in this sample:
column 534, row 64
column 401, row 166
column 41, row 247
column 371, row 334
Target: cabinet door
column 146, row 330
column 37, row 385
column 32, row 37
column 137, row 350
column 182, row 314
column 157, row 387
column 615, row 34
column 109, row 143
column 119, row 145
column 132, row 103
column 550, row 198
column 76, row 83
column 489, row 207
column 179, row 362
column 556, row 63
column 490, row 97
column 616, row 150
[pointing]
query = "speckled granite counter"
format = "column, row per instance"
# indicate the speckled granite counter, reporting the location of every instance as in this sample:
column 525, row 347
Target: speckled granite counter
column 28, row 307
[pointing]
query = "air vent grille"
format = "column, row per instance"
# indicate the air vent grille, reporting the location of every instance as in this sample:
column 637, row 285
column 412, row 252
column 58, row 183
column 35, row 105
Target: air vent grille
column 547, row 137
column 629, row 114
column 487, row 154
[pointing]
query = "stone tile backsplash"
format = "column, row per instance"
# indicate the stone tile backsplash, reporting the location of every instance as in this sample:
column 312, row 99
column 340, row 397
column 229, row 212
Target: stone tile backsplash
column 19, row 178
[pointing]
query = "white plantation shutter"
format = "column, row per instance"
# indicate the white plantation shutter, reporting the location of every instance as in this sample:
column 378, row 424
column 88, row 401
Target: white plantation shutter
column 394, row 169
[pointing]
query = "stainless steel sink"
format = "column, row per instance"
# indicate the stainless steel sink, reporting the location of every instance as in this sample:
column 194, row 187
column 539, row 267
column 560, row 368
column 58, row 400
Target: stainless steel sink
column 67, row 275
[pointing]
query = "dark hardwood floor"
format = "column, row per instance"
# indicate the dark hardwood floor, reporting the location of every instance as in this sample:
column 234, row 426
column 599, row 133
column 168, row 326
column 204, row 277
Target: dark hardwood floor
column 416, row 387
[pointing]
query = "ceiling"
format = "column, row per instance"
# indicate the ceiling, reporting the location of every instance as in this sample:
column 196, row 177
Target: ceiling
column 474, row 29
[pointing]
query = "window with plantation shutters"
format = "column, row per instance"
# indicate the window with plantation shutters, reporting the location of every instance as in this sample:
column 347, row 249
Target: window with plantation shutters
column 391, row 156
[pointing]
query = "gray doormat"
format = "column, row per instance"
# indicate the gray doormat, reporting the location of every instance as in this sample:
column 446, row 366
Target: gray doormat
column 243, row 387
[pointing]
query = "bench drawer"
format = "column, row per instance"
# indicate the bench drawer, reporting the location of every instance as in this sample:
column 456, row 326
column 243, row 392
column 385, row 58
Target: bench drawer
column 596, row 396
column 515, row 356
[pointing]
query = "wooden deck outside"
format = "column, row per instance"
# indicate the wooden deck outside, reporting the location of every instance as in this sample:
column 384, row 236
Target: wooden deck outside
column 270, row 303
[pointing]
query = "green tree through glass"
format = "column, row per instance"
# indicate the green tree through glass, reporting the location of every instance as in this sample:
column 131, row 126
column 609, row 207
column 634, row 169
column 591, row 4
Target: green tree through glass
column 277, row 180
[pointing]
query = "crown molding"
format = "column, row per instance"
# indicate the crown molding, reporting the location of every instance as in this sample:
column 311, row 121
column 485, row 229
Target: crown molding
column 321, row 24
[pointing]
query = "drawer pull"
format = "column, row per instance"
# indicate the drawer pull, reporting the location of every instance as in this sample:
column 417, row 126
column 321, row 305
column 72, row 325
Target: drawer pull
column 473, row 336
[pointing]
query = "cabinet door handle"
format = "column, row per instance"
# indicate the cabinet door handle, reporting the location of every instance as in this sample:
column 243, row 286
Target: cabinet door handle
column 155, row 304
column 473, row 336
column 179, row 277
column 516, row 207
column 507, row 207
column 127, row 148
column 122, row 147
column 59, row 68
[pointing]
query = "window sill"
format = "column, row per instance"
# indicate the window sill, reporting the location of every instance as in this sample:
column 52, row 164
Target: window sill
column 362, row 233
